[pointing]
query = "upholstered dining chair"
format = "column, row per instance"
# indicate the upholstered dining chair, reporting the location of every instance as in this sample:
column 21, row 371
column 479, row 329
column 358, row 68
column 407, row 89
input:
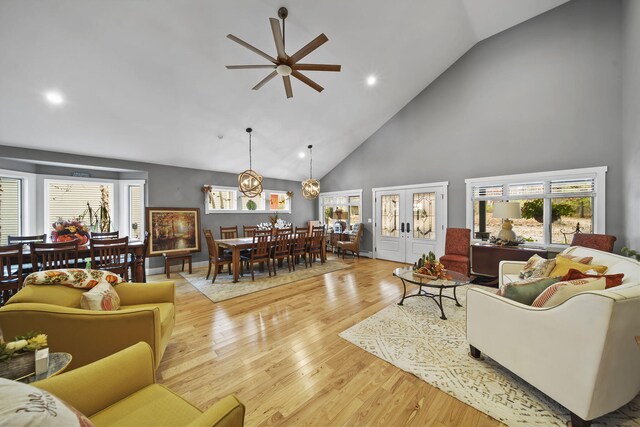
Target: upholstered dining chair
column 106, row 235
column 353, row 245
column 51, row 256
column 215, row 258
column 601, row 242
column 456, row 250
column 111, row 255
column 11, row 275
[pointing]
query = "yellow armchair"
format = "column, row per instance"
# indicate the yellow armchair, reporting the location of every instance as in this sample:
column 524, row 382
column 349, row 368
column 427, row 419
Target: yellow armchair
column 120, row 390
column 147, row 313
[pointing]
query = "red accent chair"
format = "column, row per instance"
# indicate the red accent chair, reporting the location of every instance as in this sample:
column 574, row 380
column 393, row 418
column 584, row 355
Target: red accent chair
column 602, row 242
column 456, row 251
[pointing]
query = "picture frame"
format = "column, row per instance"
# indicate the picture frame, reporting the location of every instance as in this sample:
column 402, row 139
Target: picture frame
column 173, row 230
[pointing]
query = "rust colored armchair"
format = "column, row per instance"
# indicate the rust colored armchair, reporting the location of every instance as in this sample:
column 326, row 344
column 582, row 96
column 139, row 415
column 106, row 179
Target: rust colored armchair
column 601, row 242
column 456, row 251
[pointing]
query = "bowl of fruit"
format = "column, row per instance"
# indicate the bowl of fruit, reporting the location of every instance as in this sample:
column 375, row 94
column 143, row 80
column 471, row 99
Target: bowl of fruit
column 429, row 267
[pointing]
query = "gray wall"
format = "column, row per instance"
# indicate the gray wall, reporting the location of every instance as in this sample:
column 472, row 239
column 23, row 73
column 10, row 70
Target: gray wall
column 542, row 96
column 631, row 120
column 169, row 186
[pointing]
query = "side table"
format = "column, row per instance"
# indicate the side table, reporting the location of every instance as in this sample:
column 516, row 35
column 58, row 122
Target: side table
column 58, row 362
column 485, row 258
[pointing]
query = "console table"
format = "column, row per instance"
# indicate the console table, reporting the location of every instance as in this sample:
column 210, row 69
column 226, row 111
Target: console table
column 485, row 258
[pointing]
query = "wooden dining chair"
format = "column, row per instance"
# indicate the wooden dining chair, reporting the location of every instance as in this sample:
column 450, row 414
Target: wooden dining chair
column 315, row 244
column 248, row 230
column 111, row 255
column 11, row 275
column 40, row 238
column 215, row 258
column 106, row 235
column 281, row 249
column 260, row 250
column 52, row 256
column 27, row 265
column 299, row 246
column 229, row 232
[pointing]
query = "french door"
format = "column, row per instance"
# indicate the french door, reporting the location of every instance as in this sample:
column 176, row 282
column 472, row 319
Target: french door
column 410, row 221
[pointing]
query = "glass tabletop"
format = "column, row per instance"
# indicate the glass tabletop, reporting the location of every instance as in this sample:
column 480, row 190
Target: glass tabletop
column 453, row 278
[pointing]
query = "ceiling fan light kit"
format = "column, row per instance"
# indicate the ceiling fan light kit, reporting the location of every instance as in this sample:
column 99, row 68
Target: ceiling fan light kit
column 284, row 65
column 310, row 187
column 250, row 181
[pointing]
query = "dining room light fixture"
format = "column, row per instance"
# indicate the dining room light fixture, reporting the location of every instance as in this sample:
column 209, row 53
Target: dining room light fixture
column 250, row 181
column 310, row 187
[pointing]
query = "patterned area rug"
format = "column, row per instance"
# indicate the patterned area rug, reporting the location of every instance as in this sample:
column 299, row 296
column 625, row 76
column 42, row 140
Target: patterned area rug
column 224, row 288
column 415, row 339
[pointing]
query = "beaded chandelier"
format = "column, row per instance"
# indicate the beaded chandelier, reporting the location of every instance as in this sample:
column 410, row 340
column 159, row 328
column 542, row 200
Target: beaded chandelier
column 310, row 187
column 250, row 181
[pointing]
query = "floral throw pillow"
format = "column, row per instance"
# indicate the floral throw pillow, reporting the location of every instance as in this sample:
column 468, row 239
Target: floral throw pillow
column 101, row 297
column 537, row 267
column 72, row 277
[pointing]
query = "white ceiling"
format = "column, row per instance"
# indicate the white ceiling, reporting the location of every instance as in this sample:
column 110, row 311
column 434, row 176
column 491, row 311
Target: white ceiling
column 145, row 79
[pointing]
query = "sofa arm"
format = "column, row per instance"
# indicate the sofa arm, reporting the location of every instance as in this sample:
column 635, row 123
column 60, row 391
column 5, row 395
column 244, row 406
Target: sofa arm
column 227, row 412
column 509, row 267
column 87, row 335
column 100, row 384
column 145, row 293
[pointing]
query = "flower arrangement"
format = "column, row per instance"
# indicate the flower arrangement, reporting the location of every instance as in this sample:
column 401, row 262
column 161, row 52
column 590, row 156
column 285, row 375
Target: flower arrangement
column 68, row 230
column 429, row 266
column 31, row 341
column 274, row 222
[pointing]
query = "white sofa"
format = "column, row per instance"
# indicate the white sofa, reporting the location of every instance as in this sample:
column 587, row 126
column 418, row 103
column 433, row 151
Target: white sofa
column 583, row 353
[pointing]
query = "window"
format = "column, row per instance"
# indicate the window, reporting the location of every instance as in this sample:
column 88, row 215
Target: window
column 343, row 206
column 253, row 203
column 78, row 200
column 553, row 205
column 230, row 200
column 136, row 209
column 279, row 202
column 10, row 208
column 220, row 199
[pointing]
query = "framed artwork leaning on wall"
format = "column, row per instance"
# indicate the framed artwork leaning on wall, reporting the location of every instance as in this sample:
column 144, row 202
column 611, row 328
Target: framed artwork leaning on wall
column 173, row 230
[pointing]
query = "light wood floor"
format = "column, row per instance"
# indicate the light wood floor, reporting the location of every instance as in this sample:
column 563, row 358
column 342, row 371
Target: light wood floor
column 279, row 352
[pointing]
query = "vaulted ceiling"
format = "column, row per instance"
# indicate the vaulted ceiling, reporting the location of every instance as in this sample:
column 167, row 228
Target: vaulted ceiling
column 146, row 80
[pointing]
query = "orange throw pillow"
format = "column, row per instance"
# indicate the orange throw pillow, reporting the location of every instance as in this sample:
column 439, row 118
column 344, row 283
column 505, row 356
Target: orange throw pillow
column 612, row 279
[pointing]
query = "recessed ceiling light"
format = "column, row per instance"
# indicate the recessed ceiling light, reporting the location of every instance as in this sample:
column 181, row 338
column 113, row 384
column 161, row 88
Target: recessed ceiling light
column 301, row 155
column 371, row 80
column 54, row 97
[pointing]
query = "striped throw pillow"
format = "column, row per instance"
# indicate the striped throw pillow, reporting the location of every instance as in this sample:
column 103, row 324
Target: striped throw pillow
column 560, row 292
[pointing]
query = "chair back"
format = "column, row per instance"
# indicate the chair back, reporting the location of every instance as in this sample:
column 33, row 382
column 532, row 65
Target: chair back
column 299, row 244
column 27, row 239
column 317, row 237
column 356, row 233
column 282, row 241
column 111, row 255
column 601, row 242
column 261, row 248
column 229, row 232
column 248, row 230
column 10, row 271
column 107, row 235
column 51, row 256
column 458, row 241
column 212, row 248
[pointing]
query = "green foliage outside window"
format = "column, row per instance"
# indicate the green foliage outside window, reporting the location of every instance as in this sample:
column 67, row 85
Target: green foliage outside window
column 535, row 208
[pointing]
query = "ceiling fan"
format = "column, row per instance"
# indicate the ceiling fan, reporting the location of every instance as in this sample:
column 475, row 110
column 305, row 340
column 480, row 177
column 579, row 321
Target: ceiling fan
column 285, row 65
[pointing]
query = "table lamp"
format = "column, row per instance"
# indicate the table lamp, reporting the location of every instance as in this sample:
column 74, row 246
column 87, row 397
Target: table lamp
column 504, row 211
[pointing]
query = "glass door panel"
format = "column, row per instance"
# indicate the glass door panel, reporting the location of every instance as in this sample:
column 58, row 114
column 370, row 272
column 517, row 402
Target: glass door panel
column 424, row 216
column 389, row 215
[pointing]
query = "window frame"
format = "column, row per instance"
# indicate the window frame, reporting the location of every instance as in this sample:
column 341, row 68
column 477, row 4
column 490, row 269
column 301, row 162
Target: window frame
column 28, row 221
column 598, row 174
column 238, row 208
column 343, row 193
column 124, row 211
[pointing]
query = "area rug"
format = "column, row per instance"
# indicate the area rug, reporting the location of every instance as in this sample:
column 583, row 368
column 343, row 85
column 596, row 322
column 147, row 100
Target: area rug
column 224, row 288
column 415, row 339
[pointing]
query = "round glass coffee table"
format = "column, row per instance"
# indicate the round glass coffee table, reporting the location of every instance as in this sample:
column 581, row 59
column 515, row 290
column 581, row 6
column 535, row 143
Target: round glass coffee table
column 453, row 280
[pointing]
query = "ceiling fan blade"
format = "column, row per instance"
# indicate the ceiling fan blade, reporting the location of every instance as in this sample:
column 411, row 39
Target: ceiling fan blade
column 310, row 47
column 277, row 37
column 251, row 48
column 287, row 86
column 265, row 80
column 316, row 67
column 307, row 80
column 246, row 67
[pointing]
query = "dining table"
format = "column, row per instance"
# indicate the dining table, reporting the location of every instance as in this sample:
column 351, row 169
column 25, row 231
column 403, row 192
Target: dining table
column 135, row 248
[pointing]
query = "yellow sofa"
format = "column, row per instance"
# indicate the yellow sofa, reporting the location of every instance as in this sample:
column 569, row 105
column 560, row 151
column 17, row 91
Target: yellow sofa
column 147, row 313
column 120, row 390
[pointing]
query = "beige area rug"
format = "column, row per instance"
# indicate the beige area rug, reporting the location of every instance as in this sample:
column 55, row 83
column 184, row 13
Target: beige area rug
column 224, row 288
column 416, row 340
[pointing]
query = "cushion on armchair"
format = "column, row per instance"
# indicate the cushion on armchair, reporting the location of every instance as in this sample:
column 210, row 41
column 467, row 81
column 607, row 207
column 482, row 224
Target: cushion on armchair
column 526, row 291
column 537, row 267
column 563, row 265
column 560, row 292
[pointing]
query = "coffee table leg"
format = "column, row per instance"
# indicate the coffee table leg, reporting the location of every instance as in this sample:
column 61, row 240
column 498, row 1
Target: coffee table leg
column 455, row 297
column 404, row 293
column 443, row 317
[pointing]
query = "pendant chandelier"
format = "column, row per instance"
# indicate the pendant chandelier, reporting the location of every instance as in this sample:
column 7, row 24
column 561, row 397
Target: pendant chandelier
column 250, row 181
column 310, row 187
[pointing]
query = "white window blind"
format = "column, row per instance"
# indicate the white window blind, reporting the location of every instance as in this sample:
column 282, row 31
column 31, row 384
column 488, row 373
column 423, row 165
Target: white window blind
column 68, row 200
column 482, row 192
column 10, row 208
column 575, row 186
column 528, row 190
